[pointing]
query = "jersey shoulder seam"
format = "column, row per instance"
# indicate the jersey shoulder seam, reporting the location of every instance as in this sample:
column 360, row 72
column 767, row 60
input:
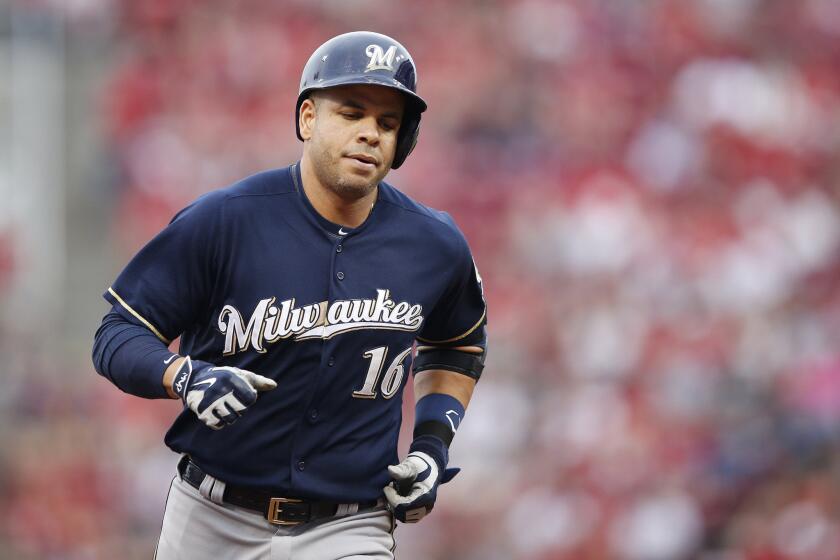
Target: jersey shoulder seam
column 263, row 183
column 430, row 214
column 229, row 196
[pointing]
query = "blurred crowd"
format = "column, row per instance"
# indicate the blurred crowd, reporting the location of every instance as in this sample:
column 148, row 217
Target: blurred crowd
column 652, row 194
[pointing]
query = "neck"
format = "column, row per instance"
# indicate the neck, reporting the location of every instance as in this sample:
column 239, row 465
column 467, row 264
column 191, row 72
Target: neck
column 337, row 209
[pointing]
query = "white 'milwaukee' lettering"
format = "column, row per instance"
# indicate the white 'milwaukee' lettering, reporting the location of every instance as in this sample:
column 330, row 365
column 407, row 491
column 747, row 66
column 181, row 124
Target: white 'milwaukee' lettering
column 269, row 322
column 230, row 323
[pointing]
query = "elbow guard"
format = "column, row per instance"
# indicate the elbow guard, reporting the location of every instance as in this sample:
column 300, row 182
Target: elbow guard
column 466, row 363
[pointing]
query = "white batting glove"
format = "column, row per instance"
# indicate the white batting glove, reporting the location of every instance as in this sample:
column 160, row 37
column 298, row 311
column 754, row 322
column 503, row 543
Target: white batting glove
column 418, row 476
column 218, row 395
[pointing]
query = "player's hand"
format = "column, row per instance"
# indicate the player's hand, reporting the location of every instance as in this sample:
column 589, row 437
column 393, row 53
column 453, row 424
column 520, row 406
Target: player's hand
column 218, row 395
column 413, row 491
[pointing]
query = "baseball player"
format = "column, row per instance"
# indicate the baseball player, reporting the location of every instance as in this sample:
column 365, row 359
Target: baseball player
column 303, row 296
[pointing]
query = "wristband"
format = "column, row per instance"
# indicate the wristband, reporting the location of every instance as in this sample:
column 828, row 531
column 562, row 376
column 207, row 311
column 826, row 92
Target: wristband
column 438, row 415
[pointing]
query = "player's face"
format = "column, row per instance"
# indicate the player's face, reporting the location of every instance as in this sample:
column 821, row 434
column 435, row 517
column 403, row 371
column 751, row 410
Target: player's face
column 351, row 134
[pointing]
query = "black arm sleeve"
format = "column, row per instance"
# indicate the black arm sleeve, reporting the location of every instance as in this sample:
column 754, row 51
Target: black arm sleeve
column 131, row 357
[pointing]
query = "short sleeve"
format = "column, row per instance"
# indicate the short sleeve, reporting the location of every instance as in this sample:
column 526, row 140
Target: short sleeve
column 168, row 283
column 460, row 314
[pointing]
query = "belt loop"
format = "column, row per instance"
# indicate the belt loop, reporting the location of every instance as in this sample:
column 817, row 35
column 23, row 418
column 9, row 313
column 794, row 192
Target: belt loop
column 206, row 486
column 217, row 493
column 346, row 509
column 210, row 488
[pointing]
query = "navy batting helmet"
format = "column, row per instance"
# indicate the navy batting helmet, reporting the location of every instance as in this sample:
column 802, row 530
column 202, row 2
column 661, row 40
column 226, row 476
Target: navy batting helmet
column 364, row 57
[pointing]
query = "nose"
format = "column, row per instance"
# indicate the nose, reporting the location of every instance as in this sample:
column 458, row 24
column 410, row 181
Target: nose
column 368, row 131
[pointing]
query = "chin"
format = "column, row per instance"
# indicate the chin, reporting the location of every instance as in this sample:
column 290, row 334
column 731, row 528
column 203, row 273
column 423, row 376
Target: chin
column 354, row 187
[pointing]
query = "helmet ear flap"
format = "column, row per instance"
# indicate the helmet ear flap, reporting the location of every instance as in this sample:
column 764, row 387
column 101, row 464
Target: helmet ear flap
column 407, row 139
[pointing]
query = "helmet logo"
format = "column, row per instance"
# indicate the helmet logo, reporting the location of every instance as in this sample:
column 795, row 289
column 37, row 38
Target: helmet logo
column 380, row 59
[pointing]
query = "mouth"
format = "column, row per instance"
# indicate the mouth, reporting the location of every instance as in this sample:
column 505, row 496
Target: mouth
column 366, row 160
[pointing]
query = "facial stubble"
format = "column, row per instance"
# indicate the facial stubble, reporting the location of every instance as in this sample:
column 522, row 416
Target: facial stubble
column 326, row 168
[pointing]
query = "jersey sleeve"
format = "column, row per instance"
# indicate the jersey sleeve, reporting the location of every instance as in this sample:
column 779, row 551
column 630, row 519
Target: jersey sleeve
column 459, row 316
column 169, row 282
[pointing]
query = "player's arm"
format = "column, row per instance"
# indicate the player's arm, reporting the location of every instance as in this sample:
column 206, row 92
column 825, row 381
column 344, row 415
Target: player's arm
column 138, row 361
column 444, row 380
column 457, row 385
column 165, row 289
column 133, row 357
column 452, row 347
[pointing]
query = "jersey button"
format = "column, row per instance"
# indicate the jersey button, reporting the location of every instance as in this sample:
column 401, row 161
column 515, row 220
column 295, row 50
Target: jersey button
column 338, row 249
column 301, row 465
column 313, row 414
column 331, row 361
column 340, row 275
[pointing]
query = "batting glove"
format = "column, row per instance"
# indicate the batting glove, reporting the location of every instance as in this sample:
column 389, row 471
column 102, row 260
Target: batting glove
column 218, row 395
column 413, row 491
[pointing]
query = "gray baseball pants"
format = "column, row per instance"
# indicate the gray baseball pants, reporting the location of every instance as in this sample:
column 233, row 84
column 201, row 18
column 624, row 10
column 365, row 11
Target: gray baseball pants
column 196, row 527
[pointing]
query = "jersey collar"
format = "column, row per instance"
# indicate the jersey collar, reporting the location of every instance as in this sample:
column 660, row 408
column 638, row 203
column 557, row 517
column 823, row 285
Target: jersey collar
column 333, row 229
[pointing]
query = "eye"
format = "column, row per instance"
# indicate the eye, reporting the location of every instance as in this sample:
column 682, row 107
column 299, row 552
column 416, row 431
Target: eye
column 388, row 125
column 351, row 115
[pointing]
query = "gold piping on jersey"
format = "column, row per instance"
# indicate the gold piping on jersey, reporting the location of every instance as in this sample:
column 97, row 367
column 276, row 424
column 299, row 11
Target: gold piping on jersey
column 459, row 337
column 138, row 316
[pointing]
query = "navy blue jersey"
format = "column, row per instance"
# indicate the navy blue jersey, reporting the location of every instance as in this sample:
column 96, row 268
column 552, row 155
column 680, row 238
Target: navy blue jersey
column 252, row 276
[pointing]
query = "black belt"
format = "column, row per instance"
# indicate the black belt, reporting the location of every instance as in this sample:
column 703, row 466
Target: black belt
column 279, row 511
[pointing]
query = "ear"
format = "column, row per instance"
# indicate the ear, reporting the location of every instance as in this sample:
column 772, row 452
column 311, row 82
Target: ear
column 306, row 117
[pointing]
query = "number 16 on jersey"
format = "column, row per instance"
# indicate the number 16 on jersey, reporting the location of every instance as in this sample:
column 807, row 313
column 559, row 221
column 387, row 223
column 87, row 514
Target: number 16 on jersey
column 393, row 375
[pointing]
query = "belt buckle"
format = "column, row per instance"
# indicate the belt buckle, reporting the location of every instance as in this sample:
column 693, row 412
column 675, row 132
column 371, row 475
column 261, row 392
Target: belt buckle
column 275, row 508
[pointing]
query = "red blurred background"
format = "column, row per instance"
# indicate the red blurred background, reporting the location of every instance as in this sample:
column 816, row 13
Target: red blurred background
column 651, row 193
